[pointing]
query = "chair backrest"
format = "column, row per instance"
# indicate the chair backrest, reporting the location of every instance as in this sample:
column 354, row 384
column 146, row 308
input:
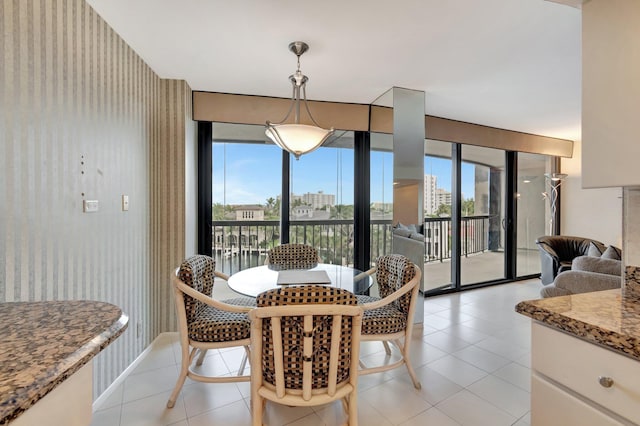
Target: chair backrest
column 198, row 272
column 308, row 338
column 292, row 256
column 392, row 272
column 567, row 247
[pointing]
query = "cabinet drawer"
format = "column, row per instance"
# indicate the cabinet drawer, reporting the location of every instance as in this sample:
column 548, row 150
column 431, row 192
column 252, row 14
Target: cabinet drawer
column 551, row 406
column 578, row 365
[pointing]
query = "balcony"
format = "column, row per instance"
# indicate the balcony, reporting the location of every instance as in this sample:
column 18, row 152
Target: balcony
column 239, row 245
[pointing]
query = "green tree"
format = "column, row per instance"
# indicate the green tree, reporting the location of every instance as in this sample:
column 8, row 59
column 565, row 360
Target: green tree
column 341, row 211
column 272, row 209
column 443, row 210
column 468, row 207
column 222, row 212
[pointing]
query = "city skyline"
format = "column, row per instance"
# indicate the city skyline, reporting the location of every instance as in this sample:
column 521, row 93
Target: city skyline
column 252, row 174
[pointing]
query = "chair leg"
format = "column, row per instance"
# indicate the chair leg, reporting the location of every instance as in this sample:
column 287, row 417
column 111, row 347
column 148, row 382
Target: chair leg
column 257, row 410
column 203, row 353
column 387, row 349
column 243, row 363
column 404, row 349
column 353, row 408
column 184, row 370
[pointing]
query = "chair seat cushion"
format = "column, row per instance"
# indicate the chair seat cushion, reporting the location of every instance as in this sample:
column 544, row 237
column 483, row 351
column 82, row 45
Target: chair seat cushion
column 241, row 301
column 215, row 325
column 384, row 320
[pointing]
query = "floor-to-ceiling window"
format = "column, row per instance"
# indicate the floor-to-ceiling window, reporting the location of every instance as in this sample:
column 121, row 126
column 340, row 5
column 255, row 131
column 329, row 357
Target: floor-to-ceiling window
column 530, row 211
column 381, row 195
column 246, row 182
column 482, row 203
column 437, row 214
column 486, row 222
column 321, row 199
column 246, row 192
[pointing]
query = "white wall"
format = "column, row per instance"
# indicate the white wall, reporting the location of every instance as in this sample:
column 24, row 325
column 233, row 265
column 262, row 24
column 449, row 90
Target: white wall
column 593, row 213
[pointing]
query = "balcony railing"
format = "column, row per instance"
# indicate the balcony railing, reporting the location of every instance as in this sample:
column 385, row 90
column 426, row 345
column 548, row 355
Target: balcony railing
column 239, row 245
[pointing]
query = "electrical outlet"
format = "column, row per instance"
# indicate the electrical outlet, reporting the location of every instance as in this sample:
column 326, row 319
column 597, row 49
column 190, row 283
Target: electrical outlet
column 125, row 203
column 90, row 206
column 138, row 329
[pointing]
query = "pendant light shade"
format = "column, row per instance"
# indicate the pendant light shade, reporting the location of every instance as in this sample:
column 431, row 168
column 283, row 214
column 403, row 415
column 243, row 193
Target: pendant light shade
column 296, row 138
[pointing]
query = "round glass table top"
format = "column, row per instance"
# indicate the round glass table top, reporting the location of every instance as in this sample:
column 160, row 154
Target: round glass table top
column 253, row 281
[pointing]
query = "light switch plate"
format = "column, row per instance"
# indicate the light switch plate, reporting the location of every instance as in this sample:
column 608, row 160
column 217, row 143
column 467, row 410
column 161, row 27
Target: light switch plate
column 125, row 203
column 90, row 206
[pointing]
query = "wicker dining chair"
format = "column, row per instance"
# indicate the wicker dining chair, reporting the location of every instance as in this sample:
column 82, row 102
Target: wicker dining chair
column 304, row 348
column 389, row 318
column 292, row 256
column 205, row 323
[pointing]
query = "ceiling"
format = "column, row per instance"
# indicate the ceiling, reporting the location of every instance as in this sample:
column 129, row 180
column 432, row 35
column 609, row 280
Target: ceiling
column 512, row 64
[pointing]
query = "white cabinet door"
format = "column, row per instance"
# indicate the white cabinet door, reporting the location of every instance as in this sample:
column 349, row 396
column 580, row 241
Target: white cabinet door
column 551, row 406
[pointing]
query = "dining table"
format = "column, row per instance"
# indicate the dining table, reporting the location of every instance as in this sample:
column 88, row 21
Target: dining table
column 253, row 281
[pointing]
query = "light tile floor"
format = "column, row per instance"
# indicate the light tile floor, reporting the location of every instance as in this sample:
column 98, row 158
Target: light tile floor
column 472, row 356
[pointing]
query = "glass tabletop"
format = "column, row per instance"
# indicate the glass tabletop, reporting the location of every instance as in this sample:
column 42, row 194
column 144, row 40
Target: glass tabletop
column 253, row 281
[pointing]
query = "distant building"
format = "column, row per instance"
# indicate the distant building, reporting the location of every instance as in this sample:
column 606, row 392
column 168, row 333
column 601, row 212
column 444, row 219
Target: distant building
column 317, row 200
column 430, row 185
column 383, row 207
column 249, row 212
column 308, row 213
column 434, row 196
column 442, row 197
column 301, row 212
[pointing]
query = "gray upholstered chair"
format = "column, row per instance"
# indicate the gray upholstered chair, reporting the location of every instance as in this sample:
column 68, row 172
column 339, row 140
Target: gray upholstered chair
column 587, row 274
column 558, row 251
column 292, row 256
column 205, row 323
column 390, row 317
column 305, row 347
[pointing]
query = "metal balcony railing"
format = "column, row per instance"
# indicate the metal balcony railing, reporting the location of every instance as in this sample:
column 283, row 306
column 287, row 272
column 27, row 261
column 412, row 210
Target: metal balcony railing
column 239, row 245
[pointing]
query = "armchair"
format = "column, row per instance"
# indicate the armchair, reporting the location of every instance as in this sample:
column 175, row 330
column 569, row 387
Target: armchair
column 390, row 318
column 558, row 251
column 292, row 256
column 305, row 344
column 587, row 274
column 205, row 323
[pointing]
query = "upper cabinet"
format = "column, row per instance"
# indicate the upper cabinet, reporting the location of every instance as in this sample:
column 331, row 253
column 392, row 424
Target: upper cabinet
column 610, row 93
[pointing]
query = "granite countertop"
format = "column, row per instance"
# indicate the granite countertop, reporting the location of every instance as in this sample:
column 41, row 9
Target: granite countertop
column 609, row 318
column 44, row 343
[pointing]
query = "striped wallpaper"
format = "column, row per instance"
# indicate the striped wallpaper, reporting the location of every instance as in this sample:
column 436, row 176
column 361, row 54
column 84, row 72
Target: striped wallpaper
column 84, row 118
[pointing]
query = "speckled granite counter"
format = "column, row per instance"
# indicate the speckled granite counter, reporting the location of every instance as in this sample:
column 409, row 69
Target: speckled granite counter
column 608, row 318
column 44, row 343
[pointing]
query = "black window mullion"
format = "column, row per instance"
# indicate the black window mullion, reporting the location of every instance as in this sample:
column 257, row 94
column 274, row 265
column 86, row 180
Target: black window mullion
column 456, row 214
column 511, row 213
column 285, row 198
column 362, row 200
column 205, row 182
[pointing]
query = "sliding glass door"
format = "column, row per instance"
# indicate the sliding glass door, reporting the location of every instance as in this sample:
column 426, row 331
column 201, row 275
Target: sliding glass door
column 438, row 197
column 531, row 211
column 482, row 202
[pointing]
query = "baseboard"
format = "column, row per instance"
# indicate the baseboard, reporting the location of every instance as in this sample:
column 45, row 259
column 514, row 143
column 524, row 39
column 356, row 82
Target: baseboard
column 123, row 376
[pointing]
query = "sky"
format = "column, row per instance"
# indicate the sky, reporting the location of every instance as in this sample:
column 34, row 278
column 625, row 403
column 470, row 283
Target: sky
column 252, row 173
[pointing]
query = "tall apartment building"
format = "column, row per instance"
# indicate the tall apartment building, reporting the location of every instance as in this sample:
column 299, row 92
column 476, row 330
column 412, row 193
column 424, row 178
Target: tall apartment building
column 434, row 196
column 430, row 185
